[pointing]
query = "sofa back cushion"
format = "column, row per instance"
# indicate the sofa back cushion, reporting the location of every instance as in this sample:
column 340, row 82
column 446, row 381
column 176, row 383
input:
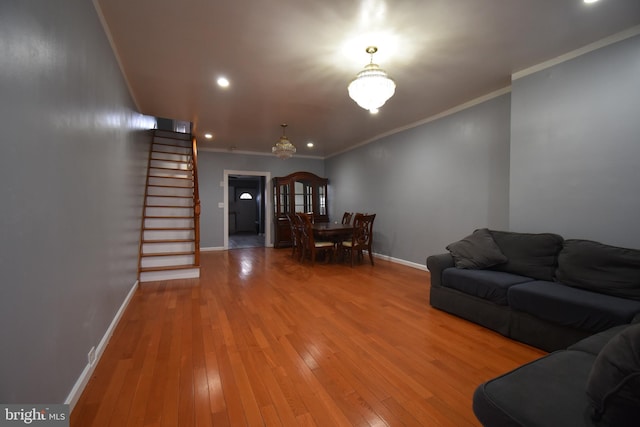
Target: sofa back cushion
column 529, row 254
column 600, row 268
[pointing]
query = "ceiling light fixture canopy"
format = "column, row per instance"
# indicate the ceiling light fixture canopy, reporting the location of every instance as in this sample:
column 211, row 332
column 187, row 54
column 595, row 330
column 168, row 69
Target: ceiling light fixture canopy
column 372, row 87
column 284, row 149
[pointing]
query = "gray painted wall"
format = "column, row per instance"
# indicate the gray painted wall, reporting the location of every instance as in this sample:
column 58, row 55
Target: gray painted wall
column 430, row 185
column 72, row 170
column 575, row 147
column 211, row 167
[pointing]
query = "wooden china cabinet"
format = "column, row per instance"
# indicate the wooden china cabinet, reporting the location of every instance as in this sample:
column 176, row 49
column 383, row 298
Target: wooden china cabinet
column 297, row 192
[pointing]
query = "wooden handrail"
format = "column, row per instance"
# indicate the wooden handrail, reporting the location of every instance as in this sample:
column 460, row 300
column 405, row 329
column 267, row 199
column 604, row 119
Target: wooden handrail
column 196, row 200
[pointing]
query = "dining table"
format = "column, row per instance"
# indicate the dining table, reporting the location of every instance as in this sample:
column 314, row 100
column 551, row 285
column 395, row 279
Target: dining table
column 332, row 231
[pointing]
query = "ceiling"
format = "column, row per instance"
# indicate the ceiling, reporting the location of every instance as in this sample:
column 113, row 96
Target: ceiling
column 290, row 61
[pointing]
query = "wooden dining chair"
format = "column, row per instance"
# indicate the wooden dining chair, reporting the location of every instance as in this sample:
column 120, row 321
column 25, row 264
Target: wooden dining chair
column 296, row 236
column 346, row 217
column 361, row 239
column 311, row 246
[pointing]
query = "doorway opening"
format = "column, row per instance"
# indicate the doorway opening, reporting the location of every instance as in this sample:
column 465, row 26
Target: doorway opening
column 247, row 210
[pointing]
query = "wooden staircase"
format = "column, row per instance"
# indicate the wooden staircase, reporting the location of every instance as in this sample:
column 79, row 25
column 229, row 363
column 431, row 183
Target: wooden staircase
column 169, row 240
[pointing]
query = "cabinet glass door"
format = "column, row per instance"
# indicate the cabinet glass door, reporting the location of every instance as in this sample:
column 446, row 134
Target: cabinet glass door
column 303, row 196
column 322, row 200
column 284, row 199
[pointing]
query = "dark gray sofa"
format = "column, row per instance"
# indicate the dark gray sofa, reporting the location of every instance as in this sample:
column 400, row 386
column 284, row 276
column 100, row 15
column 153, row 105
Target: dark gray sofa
column 539, row 289
column 595, row 382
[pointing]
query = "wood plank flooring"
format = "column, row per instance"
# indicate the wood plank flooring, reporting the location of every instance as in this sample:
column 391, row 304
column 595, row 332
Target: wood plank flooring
column 261, row 340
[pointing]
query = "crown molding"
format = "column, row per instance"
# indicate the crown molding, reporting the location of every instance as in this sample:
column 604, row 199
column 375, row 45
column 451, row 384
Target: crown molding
column 615, row 38
column 429, row 119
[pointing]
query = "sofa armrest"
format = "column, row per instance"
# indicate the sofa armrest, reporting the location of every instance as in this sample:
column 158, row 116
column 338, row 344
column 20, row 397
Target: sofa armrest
column 436, row 265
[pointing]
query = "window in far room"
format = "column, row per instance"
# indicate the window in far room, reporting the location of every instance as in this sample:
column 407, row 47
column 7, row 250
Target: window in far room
column 246, row 196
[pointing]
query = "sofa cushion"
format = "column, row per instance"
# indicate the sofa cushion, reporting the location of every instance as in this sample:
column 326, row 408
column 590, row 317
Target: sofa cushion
column 601, row 268
column 533, row 255
column 546, row 392
column 596, row 342
column 613, row 387
column 577, row 308
column 477, row 250
column 485, row 284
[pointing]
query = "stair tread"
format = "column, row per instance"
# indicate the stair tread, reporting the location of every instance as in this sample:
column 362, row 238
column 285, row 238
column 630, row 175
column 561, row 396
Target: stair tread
column 170, row 169
column 170, row 195
column 186, row 162
column 168, row 241
column 170, row 177
column 147, row 254
column 187, row 147
column 169, row 228
column 176, row 136
column 187, row 153
column 168, row 206
column 169, row 134
column 171, row 186
column 166, row 217
column 167, row 202
column 169, row 268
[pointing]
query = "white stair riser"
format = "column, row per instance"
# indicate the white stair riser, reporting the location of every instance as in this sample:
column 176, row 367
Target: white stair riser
column 158, row 248
column 178, row 157
column 182, row 151
column 168, row 234
column 166, row 222
column 179, row 202
column 151, row 276
column 170, row 191
column 166, row 261
column 183, row 141
column 171, row 174
column 170, row 165
column 169, row 180
column 178, row 211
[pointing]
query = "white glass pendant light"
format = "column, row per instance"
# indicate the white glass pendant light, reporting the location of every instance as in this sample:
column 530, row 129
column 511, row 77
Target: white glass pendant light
column 372, row 87
column 284, row 149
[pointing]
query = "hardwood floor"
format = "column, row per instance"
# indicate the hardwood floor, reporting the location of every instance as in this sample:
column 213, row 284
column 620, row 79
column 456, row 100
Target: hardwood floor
column 262, row 340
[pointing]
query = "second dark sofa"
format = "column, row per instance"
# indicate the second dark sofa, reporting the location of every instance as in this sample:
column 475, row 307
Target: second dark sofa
column 539, row 289
column 593, row 383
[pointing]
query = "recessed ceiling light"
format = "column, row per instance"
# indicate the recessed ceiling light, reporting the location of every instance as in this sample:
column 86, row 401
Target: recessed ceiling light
column 223, row 82
column 310, row 144
column 208, row 135
column 590, row 1
column 374, row 111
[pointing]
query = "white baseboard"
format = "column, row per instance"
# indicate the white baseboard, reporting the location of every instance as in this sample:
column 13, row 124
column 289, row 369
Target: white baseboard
column 401, row 261
column 154, row 276
column 82, row 381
